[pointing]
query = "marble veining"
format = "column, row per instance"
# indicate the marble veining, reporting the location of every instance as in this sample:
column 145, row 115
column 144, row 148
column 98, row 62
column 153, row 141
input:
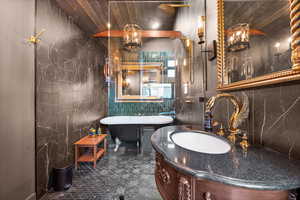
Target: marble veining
column 263, row 123
column 70, row 92
column 284, row 114
column 259, row 168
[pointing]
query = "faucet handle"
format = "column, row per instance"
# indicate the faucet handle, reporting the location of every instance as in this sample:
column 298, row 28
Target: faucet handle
column 244, row 143
column 221, row 132
column 233, row 136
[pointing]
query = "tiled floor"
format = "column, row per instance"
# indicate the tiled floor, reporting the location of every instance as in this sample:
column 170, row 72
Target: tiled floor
column 122, row 173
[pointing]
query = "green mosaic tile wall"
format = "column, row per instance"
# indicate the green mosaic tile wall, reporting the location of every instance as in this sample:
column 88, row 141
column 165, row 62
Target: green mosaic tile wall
column 129, row 108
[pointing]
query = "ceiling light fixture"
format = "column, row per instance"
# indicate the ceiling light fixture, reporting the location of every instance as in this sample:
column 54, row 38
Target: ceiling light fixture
column 132, row 37
column 238, row 37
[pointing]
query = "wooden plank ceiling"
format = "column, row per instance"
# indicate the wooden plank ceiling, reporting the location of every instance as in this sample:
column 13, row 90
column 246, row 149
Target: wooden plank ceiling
column 93, row 15
column 266, row 16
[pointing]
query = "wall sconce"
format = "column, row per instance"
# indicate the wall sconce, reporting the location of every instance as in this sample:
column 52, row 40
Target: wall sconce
column 186, row 88
column 184, row 62
column 108, row 70
column 132, row 37
column 277, row 46
column 125, row 83
column 238, row 37
column 201, row 29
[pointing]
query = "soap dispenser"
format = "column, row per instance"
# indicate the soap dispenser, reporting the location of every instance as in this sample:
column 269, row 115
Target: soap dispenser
column 208, row 122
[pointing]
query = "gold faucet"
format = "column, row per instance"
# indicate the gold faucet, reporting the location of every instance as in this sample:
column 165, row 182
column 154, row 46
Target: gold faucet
column 241, row 112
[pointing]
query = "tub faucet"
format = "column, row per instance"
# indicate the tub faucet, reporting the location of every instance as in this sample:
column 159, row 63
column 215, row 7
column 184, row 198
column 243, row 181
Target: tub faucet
column 241, row 112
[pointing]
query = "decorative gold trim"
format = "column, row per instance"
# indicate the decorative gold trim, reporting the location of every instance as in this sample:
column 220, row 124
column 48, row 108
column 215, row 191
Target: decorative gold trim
column 184, row 189
column 137, row 67
column 220, row 43
column 295, row 32
column 268, row 79
column 161, row 172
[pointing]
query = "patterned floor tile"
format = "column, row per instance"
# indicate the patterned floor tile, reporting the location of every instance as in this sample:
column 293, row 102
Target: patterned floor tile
column 125, row 172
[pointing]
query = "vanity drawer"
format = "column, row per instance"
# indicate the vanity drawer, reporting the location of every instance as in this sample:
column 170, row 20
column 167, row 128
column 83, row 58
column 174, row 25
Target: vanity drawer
column 208, row 190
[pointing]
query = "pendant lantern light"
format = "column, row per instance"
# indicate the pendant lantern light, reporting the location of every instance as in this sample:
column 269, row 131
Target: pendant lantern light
column 132, row 37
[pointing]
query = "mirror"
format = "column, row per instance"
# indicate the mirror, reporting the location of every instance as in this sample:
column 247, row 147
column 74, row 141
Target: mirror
column 255, row 44
column 142, row 81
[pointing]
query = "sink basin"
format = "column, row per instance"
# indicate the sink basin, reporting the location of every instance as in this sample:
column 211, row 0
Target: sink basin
column 201, row 142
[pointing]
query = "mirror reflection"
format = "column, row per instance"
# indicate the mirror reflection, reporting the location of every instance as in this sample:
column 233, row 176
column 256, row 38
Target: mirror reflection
column 142, row 81
column 257, row 38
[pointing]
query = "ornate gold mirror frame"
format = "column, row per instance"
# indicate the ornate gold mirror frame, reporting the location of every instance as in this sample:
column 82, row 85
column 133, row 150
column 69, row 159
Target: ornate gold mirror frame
column 268, row 79
column 136, row 66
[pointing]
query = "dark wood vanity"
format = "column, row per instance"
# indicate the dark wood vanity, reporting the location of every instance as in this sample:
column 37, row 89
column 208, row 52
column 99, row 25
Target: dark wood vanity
column 260, row 174
column 173, row 184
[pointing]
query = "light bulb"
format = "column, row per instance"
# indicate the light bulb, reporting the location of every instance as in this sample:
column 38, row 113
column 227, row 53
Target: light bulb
column 187, row 42
column 155, row 25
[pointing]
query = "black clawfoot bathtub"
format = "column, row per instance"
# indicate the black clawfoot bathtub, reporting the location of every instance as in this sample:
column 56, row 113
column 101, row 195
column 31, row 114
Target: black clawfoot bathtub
column 129, row 128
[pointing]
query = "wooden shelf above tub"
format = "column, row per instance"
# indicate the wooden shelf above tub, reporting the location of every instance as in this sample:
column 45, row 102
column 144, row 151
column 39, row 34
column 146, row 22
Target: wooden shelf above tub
column 145, row 34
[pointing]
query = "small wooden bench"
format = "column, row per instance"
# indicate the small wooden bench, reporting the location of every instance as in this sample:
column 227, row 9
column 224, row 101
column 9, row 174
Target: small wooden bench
column 90, row 142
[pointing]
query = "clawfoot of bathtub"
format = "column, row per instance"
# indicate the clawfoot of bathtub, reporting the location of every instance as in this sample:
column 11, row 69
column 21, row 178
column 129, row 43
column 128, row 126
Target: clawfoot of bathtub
column 118, row 143
column 138, row 144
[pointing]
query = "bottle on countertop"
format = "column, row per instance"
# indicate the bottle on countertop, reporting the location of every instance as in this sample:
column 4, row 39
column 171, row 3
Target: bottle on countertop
column 99, row 132
column 208, row 122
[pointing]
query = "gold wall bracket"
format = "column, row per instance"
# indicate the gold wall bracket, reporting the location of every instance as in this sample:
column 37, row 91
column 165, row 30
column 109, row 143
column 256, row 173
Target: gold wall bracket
column 36, row 39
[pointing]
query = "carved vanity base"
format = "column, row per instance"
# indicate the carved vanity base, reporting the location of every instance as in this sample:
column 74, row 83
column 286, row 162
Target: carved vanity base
column 174, row 185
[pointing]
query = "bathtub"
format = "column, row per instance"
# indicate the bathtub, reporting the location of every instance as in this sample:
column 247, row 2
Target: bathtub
column 129, row 128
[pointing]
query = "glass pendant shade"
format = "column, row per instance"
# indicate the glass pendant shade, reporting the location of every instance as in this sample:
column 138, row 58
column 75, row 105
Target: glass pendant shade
column 132, row 37
column 238, row 37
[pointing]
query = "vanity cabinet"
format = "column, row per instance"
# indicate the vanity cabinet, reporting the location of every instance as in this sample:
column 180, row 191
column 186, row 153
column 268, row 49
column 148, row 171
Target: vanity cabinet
column 175, row 185
column 166, row 179
column 209, row 190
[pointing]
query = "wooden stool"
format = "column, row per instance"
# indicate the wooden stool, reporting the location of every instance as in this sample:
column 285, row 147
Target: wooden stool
column 90, row 142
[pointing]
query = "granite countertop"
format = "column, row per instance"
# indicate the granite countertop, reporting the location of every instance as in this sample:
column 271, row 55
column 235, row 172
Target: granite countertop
column 259, row 168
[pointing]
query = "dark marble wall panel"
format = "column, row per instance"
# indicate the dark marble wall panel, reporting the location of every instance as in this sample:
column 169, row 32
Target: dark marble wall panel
column 274, row 117
column 70, row 88
column 274, row 110
column 187, row 22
